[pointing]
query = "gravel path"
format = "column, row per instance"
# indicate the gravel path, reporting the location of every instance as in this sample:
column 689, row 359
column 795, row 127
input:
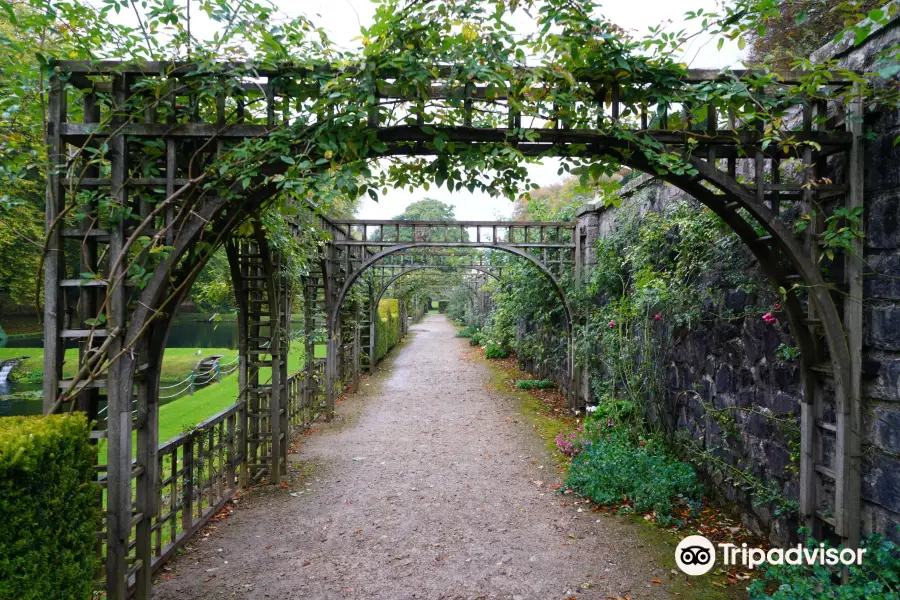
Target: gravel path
column 428, row 484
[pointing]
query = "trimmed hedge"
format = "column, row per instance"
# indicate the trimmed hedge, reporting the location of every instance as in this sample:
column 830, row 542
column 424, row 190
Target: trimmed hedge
column 387, row 327
column 49, row 509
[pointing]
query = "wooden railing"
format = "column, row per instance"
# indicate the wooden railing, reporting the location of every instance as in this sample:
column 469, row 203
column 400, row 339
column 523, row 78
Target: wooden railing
column 200, row 470
column 198, row 474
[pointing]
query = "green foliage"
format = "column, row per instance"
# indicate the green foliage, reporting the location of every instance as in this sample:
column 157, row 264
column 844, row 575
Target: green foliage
column 611, row 468
column 656, row 272
column 534, row 384
column 468, row 331
column 803, row 27
column 495, row 350
column 213, row 291
column 387, row 327
column 427, row 209
column 477, row 339
column 51, row 511
column 878, row 578
column 787, row 353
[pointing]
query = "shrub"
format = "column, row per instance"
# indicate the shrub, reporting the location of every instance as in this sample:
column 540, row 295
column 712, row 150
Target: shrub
column 494, row 350
column 534, row 384
column 387, row 327
column 612, row 467
column 49, row 510
column 476, row 339
column 467, row 332
column 878, row 578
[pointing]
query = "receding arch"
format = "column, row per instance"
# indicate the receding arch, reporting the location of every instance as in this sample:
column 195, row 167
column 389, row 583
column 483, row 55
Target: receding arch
column 333, row 317
column 409, row 269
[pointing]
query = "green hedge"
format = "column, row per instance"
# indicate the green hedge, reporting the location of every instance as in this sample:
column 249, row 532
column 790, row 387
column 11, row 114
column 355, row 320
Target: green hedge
column 387, row 327
column 49, row 510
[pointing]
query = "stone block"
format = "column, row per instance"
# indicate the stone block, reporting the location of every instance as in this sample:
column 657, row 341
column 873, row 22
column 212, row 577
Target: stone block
column 736, row 300
column 882, row 327
column 883, row 220
column 779, row 460
column 758, row 425
column 881, row 154
column 881, row 480
column 782, row 403
column 884, row 282
column 882, row 426
column 724, row 380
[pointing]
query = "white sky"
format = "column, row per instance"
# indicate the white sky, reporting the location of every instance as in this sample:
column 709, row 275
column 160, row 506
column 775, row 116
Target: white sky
column 342, row 19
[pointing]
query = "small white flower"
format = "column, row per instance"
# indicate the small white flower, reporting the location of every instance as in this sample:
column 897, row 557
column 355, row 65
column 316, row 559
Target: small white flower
column 590, row 409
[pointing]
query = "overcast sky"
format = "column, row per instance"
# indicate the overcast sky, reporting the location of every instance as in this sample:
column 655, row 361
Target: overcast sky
column 342, row 19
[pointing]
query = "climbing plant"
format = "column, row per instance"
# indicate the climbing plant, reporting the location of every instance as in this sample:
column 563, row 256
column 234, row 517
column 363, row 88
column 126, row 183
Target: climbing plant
column 314, row 163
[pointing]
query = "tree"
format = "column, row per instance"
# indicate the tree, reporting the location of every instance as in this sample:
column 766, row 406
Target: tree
column 427, row 209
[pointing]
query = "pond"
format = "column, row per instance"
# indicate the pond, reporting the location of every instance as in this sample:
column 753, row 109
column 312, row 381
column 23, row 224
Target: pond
column 189, row 331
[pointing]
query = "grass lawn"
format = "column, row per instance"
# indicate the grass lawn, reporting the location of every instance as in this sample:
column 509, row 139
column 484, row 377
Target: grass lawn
column 185, row 412
column 177, row 362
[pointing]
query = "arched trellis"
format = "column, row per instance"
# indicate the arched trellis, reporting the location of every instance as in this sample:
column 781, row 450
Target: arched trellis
column 138, row 317
column 333, row 323
column 490, row 272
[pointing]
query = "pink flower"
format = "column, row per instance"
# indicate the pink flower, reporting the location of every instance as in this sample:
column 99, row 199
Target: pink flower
column 612, row 323
column 768, row 318
column 641, row 444
column 778, row 306
column 657, row 317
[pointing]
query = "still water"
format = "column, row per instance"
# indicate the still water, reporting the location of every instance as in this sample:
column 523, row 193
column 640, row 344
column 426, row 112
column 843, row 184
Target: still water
column 188, row 332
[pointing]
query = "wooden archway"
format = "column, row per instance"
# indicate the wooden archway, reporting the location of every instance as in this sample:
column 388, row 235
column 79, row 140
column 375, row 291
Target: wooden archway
column 182, row 207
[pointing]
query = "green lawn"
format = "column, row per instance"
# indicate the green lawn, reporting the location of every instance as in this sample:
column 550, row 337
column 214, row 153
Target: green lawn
column 177, row 362
column 185, row 412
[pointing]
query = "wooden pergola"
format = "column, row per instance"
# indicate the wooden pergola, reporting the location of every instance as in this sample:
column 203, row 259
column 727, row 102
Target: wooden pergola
column 156, row 496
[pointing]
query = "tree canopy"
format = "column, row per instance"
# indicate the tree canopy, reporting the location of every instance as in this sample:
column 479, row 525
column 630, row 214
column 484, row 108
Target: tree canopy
column 427, row 209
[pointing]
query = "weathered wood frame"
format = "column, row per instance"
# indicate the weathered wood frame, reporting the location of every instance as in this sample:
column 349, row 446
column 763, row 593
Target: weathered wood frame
column 138, row 319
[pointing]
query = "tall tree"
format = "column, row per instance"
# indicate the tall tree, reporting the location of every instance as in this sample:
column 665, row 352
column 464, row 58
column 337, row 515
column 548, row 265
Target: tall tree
column 427, row 209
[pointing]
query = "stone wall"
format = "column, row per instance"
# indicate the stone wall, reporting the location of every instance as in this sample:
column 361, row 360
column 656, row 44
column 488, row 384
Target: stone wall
column 881, row 316
column 726, row 364
column 734, row 363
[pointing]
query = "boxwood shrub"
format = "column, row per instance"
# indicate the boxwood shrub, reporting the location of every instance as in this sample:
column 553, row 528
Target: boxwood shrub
column 387, row 327
column 49, row 509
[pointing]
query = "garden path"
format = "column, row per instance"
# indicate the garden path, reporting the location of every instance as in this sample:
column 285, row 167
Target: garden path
column 428, row 484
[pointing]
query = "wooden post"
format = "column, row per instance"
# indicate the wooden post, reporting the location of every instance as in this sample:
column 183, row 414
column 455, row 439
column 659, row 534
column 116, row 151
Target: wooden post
column 849, row 414
column 119, row 392
column 54, row 268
